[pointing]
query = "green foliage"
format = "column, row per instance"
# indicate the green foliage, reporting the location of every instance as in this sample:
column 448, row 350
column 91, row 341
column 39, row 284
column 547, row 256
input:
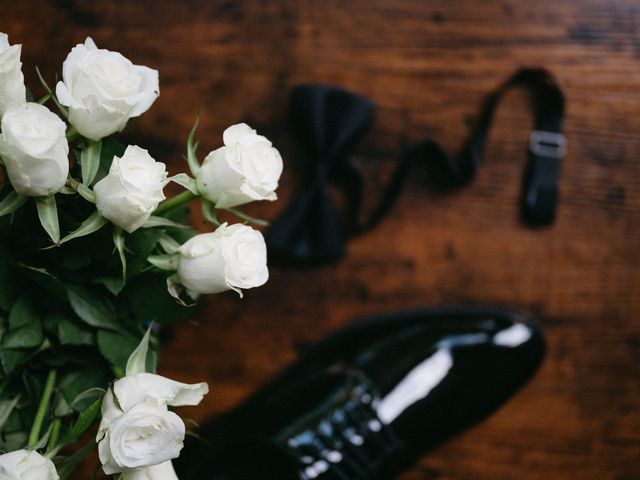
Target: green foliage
column 48, row 215
column 44, row 279
column 84, row 421
column 73, row 313
column 149, row 300
column 116, row 347
column 11, row 203
column 140, row 244
column 11, row 358
column 71, row 332
column 90, row 162
column 192, row 148
column 9, row 286
column 92, row 307
column 92, row 224
column 137, row 361
column 78, row 380
column 24, row 330
column 74, row 460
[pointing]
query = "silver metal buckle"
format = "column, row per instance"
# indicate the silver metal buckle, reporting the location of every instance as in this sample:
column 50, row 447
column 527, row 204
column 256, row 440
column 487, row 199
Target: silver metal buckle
column 548, row 144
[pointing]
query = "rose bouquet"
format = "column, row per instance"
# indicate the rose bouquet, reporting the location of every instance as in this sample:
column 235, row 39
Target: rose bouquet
column 93, row 256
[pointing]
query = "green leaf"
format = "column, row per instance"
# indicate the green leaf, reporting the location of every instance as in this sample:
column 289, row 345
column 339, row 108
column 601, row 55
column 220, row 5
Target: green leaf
column 6, row 407
column 178, row 214
column 84, row 421
column 63, row 110
column 113, row 284
column 48, row 215
column 86, row 193
column 169, row 244
column 12, row 358
column 155, row 221
column 92, row 307
column 48, row 282
column 72, row 461
column 24, row 313
column 192, row 148
column 116, row 347
column 13, row 441
column 164, row 262
column 90, row 393
column 90, row 161
column 77, row 381
column 25, row 325
column 24, row 337
column 71, row 333
column 149, row 300
column 32, row 386
column 8, row 280
column 141, row 243
column 118, row 241
column 92, row 224
column 247, row 218
column 175, row 289
column 14, row 423
column 209, row 212
column 11, row 203
column 137, row 361
column 76, row 259
column 62, row 408
column 185, row 181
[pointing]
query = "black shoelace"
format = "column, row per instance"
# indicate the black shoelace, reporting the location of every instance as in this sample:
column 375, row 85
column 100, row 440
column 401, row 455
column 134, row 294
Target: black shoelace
column 349, row 443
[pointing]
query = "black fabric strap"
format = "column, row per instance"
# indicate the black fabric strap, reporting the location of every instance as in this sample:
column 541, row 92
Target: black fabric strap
column 330, row 120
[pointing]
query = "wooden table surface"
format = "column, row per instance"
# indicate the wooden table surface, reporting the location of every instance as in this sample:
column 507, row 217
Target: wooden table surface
column 427, row 66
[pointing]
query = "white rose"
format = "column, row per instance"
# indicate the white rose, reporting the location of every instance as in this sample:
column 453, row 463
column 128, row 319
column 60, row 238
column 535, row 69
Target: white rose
column 103, row 90
column 247, row 168
column 137, row 430
column 34, row 149
column 12, row 89
column 147, row 434
column 231, row 258
column 26, row 465
column 132, row 190
column 163, row 471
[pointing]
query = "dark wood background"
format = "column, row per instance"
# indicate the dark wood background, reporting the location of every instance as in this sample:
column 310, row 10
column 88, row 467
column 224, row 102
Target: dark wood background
column 427, row 66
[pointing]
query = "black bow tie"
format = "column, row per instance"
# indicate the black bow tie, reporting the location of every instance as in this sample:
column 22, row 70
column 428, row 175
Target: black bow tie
column 329, row 120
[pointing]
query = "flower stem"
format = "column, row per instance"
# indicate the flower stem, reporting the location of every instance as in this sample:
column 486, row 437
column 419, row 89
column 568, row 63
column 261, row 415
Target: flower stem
column 34, row 435
column 171, row 203
column 55, row 434
column 72, row 134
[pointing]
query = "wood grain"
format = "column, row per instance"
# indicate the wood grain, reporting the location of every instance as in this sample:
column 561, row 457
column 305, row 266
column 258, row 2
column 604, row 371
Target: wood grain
column 427, row 66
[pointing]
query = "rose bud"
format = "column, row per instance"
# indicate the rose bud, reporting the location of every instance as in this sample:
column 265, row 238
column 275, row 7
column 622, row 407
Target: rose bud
column 137, row 430
column 34, row 149
column 12, row 89
column 103, row 90
column 132, row 190
column 26, row 465
column 231, row 258
column 247, row 168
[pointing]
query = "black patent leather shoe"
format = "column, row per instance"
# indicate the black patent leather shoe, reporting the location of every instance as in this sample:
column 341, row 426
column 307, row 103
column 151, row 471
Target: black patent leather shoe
column 364, row 403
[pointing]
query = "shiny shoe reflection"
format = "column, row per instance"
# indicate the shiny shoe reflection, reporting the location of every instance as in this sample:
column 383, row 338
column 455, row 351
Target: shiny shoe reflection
column 368, row 400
